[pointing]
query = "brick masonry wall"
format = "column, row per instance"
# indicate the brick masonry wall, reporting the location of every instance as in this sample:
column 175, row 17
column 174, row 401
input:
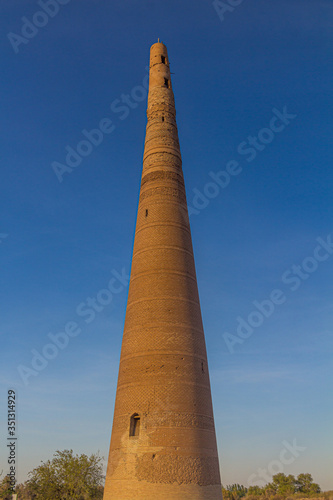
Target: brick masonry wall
column 163, row 372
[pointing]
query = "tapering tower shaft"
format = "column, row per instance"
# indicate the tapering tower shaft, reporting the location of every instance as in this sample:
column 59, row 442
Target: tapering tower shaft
column 163, row 444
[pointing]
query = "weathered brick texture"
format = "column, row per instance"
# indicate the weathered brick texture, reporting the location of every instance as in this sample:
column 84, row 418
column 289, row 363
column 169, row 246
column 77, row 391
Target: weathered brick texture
column 163, row 385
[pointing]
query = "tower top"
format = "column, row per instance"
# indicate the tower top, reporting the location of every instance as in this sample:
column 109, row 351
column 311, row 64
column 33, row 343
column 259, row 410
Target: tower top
column 159, row 72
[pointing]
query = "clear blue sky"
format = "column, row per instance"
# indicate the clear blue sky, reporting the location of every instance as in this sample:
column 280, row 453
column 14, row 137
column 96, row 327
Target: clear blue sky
column 60, row 242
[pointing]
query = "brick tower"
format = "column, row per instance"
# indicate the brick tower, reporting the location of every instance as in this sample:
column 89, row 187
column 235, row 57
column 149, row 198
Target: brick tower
column 163, row 444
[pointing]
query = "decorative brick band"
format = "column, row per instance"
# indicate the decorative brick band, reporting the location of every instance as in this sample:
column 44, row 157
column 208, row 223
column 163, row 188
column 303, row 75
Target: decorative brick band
column 157, row 468
column 162, row 175
column 164, row 191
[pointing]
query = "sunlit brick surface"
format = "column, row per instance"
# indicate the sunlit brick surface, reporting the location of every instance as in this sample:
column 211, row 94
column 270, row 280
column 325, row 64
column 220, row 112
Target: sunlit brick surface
column 163, row 372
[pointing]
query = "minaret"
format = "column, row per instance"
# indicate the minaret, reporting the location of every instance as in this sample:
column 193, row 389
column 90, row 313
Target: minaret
column 163, row 443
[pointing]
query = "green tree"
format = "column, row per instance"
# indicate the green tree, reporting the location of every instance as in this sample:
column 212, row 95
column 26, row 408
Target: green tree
column 269, row 490
column 24, row 492
column 284, row 485
column 5, row 488
column 305, row 484
column 67, row 477
column 255, row 491
column 234, row 492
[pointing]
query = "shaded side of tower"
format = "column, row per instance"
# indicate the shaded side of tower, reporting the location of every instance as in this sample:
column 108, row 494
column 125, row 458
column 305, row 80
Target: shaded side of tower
column 163, row 443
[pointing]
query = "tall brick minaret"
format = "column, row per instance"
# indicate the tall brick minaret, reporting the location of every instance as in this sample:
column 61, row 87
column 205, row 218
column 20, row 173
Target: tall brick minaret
column 163, row 444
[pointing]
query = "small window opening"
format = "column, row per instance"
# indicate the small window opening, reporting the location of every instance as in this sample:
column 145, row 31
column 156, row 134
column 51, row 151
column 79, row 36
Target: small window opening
column 146, row 212
column 163, row 59
column 166, row 82
column 162, row 118
column 202, row 367
column 135, row 425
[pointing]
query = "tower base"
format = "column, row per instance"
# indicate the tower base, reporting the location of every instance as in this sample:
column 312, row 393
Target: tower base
column 143, row 490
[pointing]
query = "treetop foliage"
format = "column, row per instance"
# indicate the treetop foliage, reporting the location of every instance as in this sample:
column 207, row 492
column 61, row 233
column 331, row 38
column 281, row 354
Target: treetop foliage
column 280, row 487
column 65, row 477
